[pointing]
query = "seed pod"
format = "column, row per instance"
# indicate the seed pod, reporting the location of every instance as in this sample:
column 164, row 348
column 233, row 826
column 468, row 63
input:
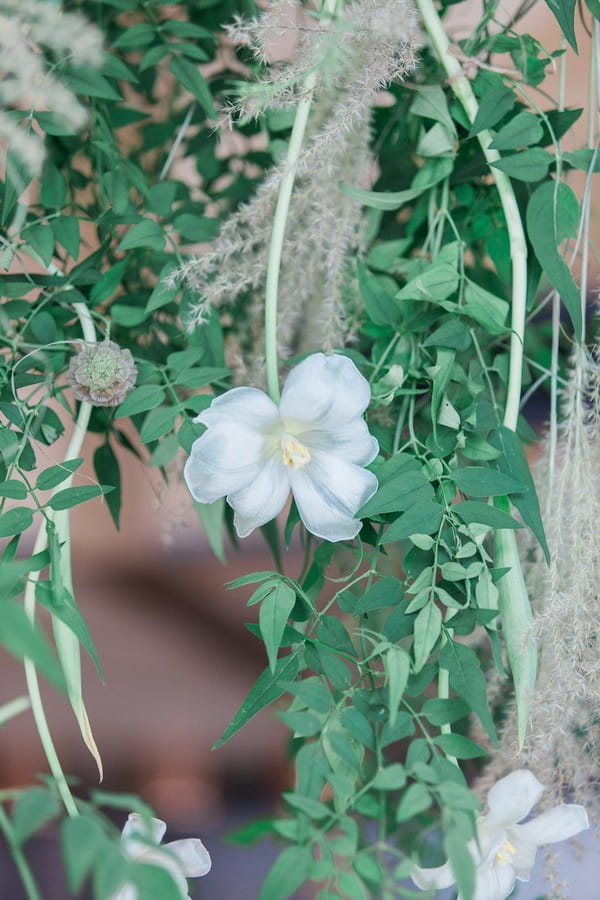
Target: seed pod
column 102, row 374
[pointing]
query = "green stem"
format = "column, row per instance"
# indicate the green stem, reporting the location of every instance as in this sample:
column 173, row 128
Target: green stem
column 279, row 222
column 41, row 543
column 518, row 247
column 27, row 879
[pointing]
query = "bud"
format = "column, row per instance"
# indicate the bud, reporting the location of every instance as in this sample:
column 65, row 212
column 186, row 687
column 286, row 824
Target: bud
column 102, row 374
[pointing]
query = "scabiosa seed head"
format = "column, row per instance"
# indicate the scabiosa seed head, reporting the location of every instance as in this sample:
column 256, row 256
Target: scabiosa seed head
column 102, row 374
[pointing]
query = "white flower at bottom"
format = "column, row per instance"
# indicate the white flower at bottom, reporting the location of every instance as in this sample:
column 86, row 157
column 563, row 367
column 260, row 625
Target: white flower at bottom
column 506, row 849
column 183, row 859
column 315, row 443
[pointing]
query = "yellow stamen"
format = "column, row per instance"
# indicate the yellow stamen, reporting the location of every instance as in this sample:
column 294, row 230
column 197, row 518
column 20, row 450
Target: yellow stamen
column 505, row 853
column 295, row 454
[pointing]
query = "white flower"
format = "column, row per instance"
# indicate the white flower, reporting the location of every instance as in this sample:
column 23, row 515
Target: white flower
column 183, row 859
column 315, row 443
column 506, row 849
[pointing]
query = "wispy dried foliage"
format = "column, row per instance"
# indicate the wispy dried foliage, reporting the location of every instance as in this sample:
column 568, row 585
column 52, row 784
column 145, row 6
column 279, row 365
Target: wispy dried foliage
column 563, row 743
column 35, row 34
column 354, row 55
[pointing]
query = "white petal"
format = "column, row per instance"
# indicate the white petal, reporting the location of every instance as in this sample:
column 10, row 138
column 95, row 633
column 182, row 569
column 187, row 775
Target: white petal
column 440, row 877
column 328, row 492
column 512, row 798
column 262, row 499
column 557, row 824
column 494, row 882
column 325, row 390
column 226, row 458
column 245, row 405
column 149, row 830
column 192, row 856
column 523, row 859
column 161, row 858
column 351, row 441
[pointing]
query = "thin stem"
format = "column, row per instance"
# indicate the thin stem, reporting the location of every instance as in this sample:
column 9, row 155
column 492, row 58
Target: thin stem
column 518, row 247
column 279, row 222
column 27, row 879
column 41, row 542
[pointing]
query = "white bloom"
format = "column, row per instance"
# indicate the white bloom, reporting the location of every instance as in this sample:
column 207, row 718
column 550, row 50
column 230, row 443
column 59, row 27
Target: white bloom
column 183, row 859
column 314, row 444
column 506, row 849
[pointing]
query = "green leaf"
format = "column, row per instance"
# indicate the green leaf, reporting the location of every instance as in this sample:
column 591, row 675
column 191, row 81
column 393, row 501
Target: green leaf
column 268, row 687
column 594, row 8
column 72, row 496
column 33, row 809
column 68, row 612
column 106, row 467
column 435, row 284
column 423, row 518
column 135, row 36
column 474, row 511
column 332, row 633
column 54, row 475
column 523, row 130
column 380, row 303
column 489, row 311
column 478, row 481
column 13, row 489
column 154, row 882
column 66, row 233
column 146, row 233
column 53, row 188
column 431, row 103
column 386, row 591
column 396, row 663
column 212, row 518
column 157, row 423
column 529, row 165
column 402, row 484
column 444, row 711
column 128, row 316
column 415, row 799
column 459, row 746
column 457, row 849
column 141, row 399
column 564, row 11
column 23, row 640
column 41, row 239
column 432, row 172
column 109, row 282
column 493, row 106
column 275, row 610
column 390, row 778
column 427, row 629
column 289, row 872
column 514, row 462
column 196, row 229
column 192, row 80
column 90, row 83
column 552, row 216
column 15, row 521
column 467, row 680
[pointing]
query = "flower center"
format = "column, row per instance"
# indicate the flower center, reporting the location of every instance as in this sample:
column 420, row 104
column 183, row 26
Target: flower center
column 505, row 853
column 294, row 453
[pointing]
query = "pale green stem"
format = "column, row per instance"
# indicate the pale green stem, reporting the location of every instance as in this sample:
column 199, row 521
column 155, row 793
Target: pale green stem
column 27, row 879
column 518, row 247
column 279, row 222
column 41, row 542
column 443, row 694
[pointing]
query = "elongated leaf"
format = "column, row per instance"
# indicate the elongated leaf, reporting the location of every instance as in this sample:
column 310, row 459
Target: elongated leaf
column 23, row 640
column 80, row 494
column 474, row 511
column 552, row 216
column 564, row 11
column 33, row 809
column 289, row 871
column 431, row 174
column 423, row 518
column 192, row 80
column 106, row 467
column 275, row 610
column 147, row 233
column 15, row 521
column 427, row 628
column 141, row 399
column 478, row 481
column 529, row 165
column 396, row 662
column 494, row 105
column 402, row 484
column 467, row 680
column 268, row 687
column 458, row 746
column 385, row 592
column 523, row 130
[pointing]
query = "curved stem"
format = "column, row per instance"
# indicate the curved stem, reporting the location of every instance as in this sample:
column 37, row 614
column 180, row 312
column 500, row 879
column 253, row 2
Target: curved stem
column 279, row 222
column 41, row 542
column 518, row 247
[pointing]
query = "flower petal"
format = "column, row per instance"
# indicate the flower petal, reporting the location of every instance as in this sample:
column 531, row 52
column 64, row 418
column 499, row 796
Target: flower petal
column 555, row 825
column 512, row 798
column 262, row 499
column 494, row 882
column 351, row 441
column 128, row 891
column 138, row 832
column 523, row 859
column 245, row 405
column 325, row 390
column 440, row 877
column 160, row 857
column 328, row 492
column 226, row 458
column 192, row 856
